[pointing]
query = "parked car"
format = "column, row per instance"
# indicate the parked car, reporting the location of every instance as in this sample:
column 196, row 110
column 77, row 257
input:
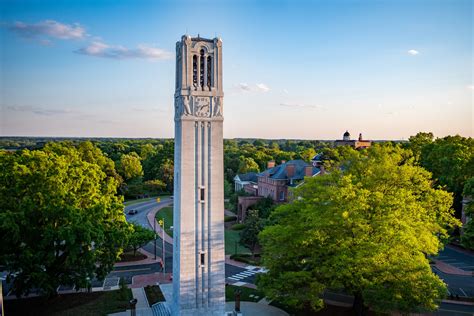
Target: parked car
column 132, row 212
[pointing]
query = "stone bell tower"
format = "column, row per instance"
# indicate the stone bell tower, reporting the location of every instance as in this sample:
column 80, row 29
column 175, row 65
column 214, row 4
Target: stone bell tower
column 198, row 241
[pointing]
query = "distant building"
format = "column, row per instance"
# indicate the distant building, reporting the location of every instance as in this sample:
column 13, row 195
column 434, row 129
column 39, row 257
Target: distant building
column 356, row 144
column 273, row 182
column 241, row 180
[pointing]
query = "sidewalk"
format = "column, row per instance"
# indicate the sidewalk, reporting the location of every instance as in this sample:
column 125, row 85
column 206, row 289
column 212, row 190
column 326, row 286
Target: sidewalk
column 230, row 261
column 159, row 230
column 449, row 269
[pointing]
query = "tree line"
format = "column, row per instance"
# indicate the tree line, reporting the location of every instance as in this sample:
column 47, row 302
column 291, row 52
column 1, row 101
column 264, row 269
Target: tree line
column 375, row 217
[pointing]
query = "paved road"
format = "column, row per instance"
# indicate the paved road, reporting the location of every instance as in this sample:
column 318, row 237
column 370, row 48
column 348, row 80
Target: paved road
column 143, row 209
column 457, row 284
column 448, row 309
column 456, row 258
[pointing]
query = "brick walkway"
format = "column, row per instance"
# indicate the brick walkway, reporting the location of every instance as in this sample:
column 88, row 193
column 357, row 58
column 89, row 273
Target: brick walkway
column 150, row 279
column 446, row 268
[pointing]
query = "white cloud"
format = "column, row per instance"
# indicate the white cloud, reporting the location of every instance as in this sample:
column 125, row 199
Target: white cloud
column 259, row 87
column 471, row 87
column 143, row 51
column 244, row 86
column 413, row 52
column 262, row 87
column 49, row 28
column 285, row 91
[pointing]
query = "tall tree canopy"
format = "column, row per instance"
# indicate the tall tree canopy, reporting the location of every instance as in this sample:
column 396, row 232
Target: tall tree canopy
column 367, row 229
column 130, row 166
column 451, row 160
column 61, row 222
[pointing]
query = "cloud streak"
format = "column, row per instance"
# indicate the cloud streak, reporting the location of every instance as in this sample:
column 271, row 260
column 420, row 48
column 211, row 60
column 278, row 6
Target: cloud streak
column 302, row 106
column 143, row 51
column 413, row 52
column 49, row 29
column 37, row 110
column 259, row 87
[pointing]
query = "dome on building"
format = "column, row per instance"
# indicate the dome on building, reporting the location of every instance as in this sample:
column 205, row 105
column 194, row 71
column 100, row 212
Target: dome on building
column 347, row 133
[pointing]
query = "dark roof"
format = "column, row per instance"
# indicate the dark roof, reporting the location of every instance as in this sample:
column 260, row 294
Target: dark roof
column 347, row 133
column 318, row 157
column 249, row 176
column 280, row 171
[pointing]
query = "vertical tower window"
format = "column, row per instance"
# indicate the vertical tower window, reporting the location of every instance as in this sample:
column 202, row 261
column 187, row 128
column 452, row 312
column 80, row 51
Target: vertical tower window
column 202, row 194
column 209, row 72
column 203, row 258
column 201, row 70
column 195, row 71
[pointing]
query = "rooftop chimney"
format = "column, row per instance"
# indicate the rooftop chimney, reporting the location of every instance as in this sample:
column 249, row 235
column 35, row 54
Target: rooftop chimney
column 270, row 164
column 308, row 171
column 290, row 170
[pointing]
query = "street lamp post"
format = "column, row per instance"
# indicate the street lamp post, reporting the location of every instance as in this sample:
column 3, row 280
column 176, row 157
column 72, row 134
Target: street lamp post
column 164, row 253
column 154, row 230
column 162, row 224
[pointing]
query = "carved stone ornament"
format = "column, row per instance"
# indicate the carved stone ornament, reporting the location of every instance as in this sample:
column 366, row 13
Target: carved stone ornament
column 186, row 107
column 217, row 110
column 201, row 106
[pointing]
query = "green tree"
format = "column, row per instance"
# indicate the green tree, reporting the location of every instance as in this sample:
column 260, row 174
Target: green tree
column 367, row 230
column 417, row 142
column 249, row 235
column 166, row 173
column 61, row 222
column 451, row 160
column 247, row 164
column 155, row 186
column 228, row 189
column 140, row 236
column 307, row 154
column 130, row 166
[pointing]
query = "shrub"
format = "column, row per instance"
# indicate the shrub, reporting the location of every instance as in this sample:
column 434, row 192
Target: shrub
column 238, row 227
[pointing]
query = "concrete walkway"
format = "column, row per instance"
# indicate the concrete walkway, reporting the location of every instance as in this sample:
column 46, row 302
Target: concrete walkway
column 142, row 308
column 139, row 294
column 250, row 308
column 159, row 230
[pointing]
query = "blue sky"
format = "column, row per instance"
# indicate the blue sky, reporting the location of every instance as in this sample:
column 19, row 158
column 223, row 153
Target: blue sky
column 292, row 69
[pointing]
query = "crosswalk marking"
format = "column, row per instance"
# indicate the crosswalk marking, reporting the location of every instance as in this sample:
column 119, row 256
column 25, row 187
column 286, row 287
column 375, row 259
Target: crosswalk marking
column 248, row 272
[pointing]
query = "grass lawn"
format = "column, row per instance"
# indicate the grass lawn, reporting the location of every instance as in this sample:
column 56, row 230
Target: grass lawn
column 131, row 202
column 166, row 213
column 244, row 295
column 154, row 294
column 232, row 238
column 96, row 303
